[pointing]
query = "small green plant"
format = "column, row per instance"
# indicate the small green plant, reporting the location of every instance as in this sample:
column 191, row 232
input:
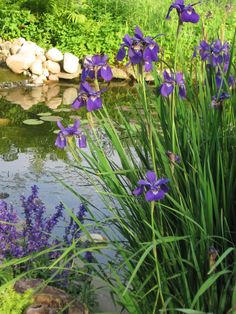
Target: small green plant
column 12, row 302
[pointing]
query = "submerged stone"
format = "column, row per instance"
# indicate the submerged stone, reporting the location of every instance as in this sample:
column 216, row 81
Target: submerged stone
column 3, row 195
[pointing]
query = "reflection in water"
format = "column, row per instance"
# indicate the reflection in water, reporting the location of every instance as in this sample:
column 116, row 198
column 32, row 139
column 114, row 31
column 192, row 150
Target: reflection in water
column 27, row 153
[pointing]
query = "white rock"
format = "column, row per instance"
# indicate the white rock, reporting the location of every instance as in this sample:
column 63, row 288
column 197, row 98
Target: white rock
column 53, row 77
column 28, row 48
column 15, row 49
column 19, row 41
column 39, row 51
column 18, row 63
column 69, row 95
column 45, row 72
column 37, row 67
column 54, row 54
column 42, row 57
column 39, row 80
column 53, row 67
column 70, row 63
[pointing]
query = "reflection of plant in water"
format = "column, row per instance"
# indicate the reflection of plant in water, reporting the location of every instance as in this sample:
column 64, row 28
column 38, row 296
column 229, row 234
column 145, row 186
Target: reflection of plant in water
column 11, row 155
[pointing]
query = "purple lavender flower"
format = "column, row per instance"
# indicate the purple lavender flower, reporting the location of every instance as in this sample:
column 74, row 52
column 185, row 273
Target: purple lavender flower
column 170, row 80
column 139, row 49
column 217, row 101
column 88, row 97
column 72, row 231
column 96, row 66
column 88, row 256
column 156, row 188
column 173, row 157
column 69, row 132
column 185, row 13
column 9, row 232
column 37, row 230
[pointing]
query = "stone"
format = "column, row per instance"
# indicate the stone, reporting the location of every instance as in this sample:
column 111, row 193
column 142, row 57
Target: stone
column 119, row 73
column 4, row 54
column 53, row 77
column 15, row 49
column 45, row 72
column 68, row 76
column 42, row 58
column 37, row 309
column 54, row 54
column 37, row 67
column 39, row 51
column 48, row 300
column 70, row 63
column 18, row 63
column 39, row 80
column 19, row 41
column 53, row 67
column 28, row 48
column 69, row 95
column 6, row 45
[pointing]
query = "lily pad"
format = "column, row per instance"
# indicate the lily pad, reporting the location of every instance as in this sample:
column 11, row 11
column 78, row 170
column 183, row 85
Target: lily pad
column 33, row 122
column 51, row 118
column 44, row 114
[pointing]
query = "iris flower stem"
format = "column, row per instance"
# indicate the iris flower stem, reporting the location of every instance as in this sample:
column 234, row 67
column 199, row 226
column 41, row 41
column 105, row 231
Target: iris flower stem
column 173, row 122
column 179, row 28
column 159, row 292
column 75, row 154
column 149, row 120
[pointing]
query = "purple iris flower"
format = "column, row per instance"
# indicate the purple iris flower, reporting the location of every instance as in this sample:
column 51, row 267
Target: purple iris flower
column 170, row 80
column 96, row 66
column 220, row 83
column 172, row 157
column 88, row 97
column 215, row 53
column 139, row 49
column 155, row 188
column 68, row 132
column 186, row 13
column 217, row 101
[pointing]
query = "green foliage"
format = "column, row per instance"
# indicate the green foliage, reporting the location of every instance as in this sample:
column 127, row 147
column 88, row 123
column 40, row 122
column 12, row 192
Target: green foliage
column 89, row 27
column 164, row 262
column 12, row 302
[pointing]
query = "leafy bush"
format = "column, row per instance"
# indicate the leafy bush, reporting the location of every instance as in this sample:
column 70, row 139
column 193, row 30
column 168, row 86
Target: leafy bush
column 89, row 27
column 12, row 302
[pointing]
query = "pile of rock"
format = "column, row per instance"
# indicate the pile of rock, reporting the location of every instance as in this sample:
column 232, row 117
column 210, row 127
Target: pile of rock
column 26, row 57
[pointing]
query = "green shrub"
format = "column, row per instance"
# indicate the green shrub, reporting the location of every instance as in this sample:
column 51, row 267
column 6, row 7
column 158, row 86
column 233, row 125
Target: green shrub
column 12, row 302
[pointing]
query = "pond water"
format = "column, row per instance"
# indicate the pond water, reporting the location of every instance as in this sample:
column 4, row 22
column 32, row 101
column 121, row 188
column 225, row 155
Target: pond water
column 27, row 153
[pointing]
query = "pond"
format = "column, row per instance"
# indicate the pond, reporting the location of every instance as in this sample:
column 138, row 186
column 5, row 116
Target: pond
column 27, row 152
